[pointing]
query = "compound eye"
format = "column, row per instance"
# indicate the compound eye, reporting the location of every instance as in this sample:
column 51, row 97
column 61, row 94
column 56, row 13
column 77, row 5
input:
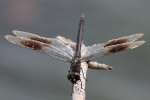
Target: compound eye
column 77, row 77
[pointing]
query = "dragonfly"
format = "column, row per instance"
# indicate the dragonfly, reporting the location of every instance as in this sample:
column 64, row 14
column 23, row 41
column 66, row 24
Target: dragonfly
column 75, row 52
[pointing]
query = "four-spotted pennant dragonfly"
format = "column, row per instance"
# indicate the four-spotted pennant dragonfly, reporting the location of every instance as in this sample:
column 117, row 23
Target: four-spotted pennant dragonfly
column 75, row 52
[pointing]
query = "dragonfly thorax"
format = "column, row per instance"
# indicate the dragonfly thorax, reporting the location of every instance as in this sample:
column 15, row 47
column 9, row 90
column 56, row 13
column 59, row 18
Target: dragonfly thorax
column 74, row 72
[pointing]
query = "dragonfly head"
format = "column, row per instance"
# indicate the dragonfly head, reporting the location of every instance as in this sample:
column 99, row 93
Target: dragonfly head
column 74, row 72
column 73, row 77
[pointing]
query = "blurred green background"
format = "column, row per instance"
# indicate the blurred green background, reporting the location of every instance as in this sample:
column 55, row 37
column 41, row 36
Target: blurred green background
column 28, row 75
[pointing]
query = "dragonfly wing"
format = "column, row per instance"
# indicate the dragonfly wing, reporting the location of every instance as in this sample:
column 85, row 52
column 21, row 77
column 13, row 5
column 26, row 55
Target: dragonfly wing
column 94, row 50
column 124, row 39
column 115, row 45
column 67, row 41
column 72, row 44
column 59, row 41
column 50, row 46
column 33, row 36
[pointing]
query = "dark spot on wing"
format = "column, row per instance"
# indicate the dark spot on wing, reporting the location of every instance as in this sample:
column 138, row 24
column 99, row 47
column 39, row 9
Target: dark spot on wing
column 118, row 48
column 40, row 39
column 32, row 44
column 115, row 42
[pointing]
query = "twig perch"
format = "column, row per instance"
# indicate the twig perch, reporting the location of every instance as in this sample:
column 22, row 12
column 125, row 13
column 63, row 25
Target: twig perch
column 79, row 88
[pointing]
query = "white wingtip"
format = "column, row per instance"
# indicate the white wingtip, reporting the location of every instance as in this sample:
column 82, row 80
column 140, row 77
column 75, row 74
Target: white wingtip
column 12, row 39
column 135, row 37
column 136, row 44
column 24, row 34
column 15, row 32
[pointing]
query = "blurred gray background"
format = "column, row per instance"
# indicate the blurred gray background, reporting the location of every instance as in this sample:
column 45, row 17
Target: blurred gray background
column 29, row 75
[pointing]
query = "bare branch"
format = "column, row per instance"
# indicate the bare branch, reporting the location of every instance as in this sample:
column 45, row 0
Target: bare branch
column 98, row 66
column 79, row 88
